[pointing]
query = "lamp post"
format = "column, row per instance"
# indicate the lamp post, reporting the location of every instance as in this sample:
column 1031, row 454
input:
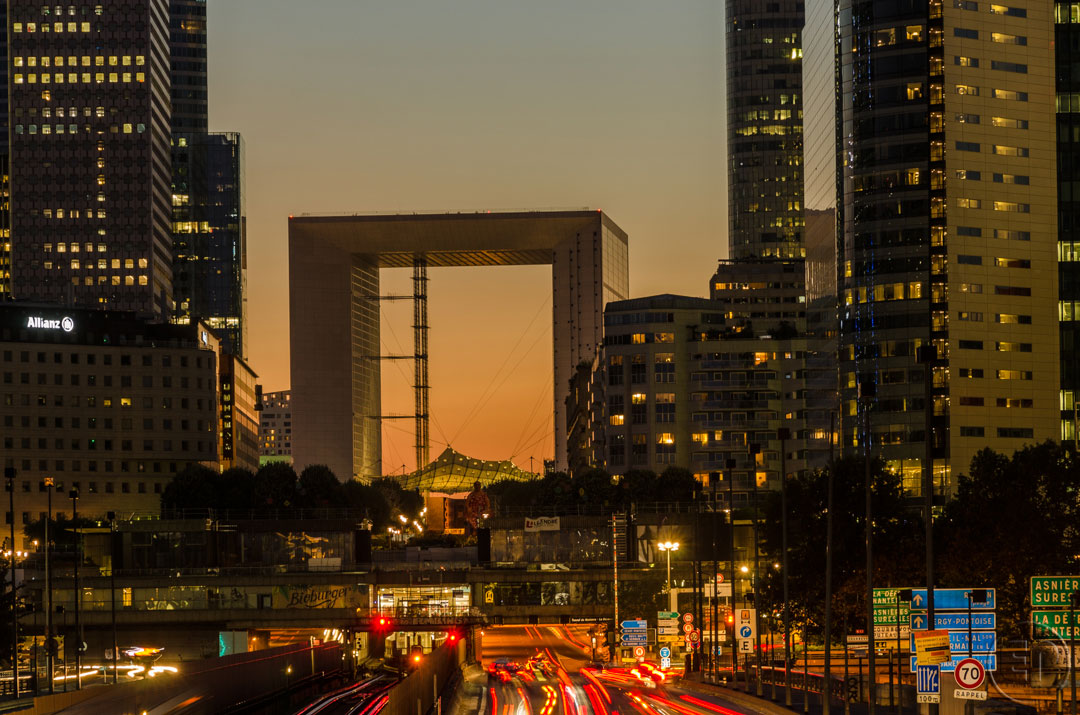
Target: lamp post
column 9, row 476
column 49, row 647
column 667, row 547
column 784, row 433
column 112, row 590
column 74, row 494
column 867, row 394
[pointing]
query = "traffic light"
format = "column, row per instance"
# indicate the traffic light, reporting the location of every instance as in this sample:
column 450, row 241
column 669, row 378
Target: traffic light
column 452, row 637
column 730, row 618
column 382, row 624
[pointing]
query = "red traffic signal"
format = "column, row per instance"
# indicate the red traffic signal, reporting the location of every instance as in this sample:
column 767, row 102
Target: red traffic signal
column 730, row 619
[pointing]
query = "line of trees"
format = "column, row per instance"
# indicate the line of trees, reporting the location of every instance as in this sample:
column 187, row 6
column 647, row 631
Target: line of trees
column 1012, row 517
column 277, row 488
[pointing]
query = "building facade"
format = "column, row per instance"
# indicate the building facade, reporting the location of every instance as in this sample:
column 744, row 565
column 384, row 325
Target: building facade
column 689, row 386
column 1067, row 55
column 275, row 427
column 765, row 128
column 89, row 156
column 948, row 228
column 239, row 414
column 103, row 402
column 187, row 38
column 210, row 234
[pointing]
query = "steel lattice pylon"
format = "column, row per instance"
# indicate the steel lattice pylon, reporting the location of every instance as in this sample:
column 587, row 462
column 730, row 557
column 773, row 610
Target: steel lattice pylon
column 420, row 359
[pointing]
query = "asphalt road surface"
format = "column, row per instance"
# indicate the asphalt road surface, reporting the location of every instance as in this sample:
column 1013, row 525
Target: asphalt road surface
column 556, row 677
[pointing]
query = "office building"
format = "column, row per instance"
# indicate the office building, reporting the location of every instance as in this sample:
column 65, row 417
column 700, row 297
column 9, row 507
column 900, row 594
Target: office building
column 104, row 402
column 187, row 38
column 765, row 128
column 692, row 384
column 1067, row 53
column 239, row 414
column 334, row 265
column 948, row 231
column 210, row 235
column 89, row 119
column 275, row 427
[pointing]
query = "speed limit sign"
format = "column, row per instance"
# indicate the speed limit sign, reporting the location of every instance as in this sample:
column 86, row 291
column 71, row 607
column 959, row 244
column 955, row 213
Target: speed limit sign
column 970, row 674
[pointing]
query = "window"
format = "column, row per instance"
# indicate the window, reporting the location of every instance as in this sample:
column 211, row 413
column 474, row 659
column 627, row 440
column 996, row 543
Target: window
column 971, row 345
column 1012, row 207
column 965, row 33
column 664, row 367
column 1009, row 123
column 1013, row 402
column 1012, row 290
column 968, row 175
column 968, row 401
column 1012, row 263
column 1012, row 179
column 971, row 288
column 1012, row 235
column 967, row 146
column 1009, row 95
column 971, row 372
column 1016, row 432
column 1006, row 10
column 968, row 231
column 1012, row 319
column 972, row 316
column 1005, row 150
column 966, row 61
column 969, row 203
column 969, row 260
column 1014, row 374
column 1005, row 347
column 968, row 89
column 1009, row 67
column 1007, row 39
column 972, row 431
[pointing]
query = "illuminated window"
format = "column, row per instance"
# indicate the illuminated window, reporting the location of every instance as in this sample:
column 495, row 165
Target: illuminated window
column 637, row 338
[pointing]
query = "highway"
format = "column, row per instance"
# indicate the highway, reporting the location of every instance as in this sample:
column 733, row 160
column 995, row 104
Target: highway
column 564, row 682
column 364, row 698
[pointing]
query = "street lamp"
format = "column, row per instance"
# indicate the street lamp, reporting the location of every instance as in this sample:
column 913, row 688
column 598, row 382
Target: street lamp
column 74, row 494
column 667, row 547
column 9, row 475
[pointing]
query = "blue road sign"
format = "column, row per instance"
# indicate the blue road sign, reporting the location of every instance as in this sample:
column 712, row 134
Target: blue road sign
column 665, row 652
column 948, row 621
column 983, row 641
column 928, row 680
column 953, row 599
column 635, row 638
column 638, row 625
column 989, row 661
column 746, row 632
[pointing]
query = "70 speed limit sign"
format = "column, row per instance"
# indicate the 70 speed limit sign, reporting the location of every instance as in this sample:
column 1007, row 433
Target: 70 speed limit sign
column 970, row 674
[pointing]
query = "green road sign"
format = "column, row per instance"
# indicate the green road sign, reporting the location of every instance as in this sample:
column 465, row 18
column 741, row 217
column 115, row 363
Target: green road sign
column 1055, row 624
column 887, row 612
column 1052, row 590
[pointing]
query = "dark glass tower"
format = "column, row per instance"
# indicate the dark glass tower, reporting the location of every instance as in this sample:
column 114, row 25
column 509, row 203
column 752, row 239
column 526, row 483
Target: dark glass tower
column 1067, row 50
column 209, row 234
column 187, row 35
column 209, row 242
column 89, row 154
column 765, row 127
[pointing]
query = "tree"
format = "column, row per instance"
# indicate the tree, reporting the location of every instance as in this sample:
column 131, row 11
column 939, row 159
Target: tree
column 897, row 535
column 194, row 487
column 318, row 487
column 1012, row 518
column 275, row 486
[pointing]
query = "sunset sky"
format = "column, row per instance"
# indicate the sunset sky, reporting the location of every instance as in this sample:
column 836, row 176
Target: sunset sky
column 354, row 106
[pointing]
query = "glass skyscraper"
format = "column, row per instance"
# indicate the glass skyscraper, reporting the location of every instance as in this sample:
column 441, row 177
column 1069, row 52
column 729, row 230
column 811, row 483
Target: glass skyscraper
column 765, row 126
column 209, row 241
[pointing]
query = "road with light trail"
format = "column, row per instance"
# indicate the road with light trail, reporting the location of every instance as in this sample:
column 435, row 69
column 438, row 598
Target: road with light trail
column 572, row 686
